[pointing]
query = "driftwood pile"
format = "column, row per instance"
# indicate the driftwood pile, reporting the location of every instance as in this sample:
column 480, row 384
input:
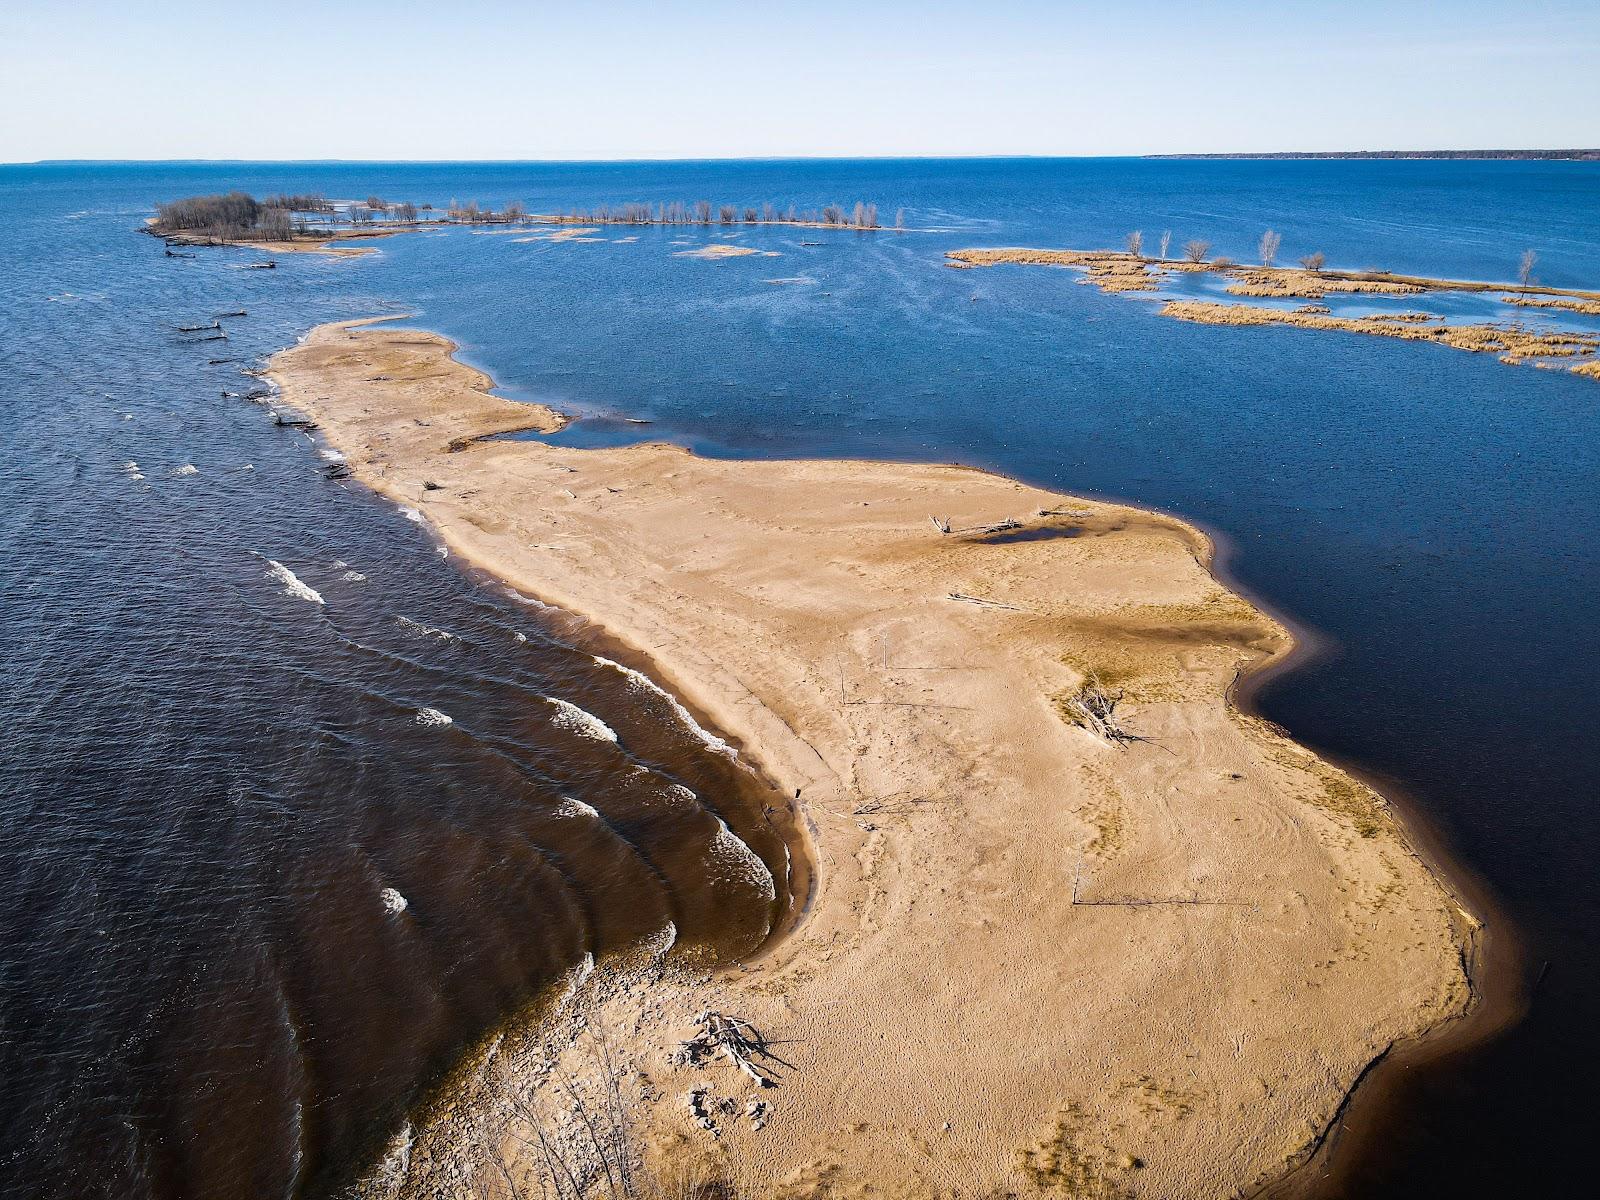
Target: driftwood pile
column 1094, row 707
column 734, row 1039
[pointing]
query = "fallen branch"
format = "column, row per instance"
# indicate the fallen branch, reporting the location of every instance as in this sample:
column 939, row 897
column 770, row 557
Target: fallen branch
column 941, row 524
column 734, row 1039
column 979, row 600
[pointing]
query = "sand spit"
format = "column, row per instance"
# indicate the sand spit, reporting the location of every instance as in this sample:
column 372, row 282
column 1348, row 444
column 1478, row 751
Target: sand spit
column 1115, row 271
column 723, row 250
column 322, row 243
column 1038, row 960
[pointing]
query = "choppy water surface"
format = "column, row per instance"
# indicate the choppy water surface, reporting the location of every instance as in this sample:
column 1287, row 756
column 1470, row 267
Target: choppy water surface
column 289, row 812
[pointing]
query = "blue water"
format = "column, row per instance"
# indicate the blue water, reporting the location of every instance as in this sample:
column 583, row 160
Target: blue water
column 1429, row 513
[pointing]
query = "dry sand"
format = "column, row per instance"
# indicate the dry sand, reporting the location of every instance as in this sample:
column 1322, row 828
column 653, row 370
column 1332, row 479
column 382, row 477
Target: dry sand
column 1035, row 962
column 724, row 250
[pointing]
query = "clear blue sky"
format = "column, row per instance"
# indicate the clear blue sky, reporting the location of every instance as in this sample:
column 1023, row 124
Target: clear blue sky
column 392, row 79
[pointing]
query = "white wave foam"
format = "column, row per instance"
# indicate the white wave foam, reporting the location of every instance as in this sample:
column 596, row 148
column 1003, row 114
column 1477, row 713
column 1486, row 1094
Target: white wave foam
column 516, row 595
column 132, row 470
column 393, row 901
column 421, row 630
column 576, row 808
column 292, row 585
column 410, row 513
column 519, row 638
column 733, row 861
column 433, row 717
column 354, row 577
column 390, row 1174
column 331, row 455
column 657, row 944
column 640, row 680
column 444, row 551
column 575, row 720
column 187, row 469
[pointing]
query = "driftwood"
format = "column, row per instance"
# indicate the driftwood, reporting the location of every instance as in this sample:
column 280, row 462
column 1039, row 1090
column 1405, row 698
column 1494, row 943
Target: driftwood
column 269, row 265
column 171, row 253
column 980, row 601
column 293, row 422
column 1002, row 527
column 239, row 312
column 217, row 362
column 1094, row 707
column 942, row 524
column 734, row 1039
column 337, row 470
column 200, row 328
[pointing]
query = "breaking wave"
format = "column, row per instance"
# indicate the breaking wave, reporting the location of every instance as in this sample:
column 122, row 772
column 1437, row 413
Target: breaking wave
column 575, row 720
column 418, row 628
column 732, row 861
column 645, row 683
column 576, row 808
column 433, row 717
column 292, row 583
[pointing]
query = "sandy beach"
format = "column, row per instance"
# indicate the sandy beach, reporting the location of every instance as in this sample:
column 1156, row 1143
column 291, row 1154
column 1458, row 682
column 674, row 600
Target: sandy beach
column 1036, row 960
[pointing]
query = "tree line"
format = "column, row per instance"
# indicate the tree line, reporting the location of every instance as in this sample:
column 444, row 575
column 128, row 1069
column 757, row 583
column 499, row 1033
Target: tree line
column 1199, row 250
column 238, row 216
column 704, row 212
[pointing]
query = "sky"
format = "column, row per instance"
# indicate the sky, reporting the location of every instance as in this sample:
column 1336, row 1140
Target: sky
column 489, row 79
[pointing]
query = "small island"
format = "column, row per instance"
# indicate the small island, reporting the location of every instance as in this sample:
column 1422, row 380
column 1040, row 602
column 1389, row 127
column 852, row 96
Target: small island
column 1514, row 343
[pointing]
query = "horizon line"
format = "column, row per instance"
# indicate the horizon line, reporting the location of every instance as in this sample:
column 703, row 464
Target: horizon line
column 1489, row 154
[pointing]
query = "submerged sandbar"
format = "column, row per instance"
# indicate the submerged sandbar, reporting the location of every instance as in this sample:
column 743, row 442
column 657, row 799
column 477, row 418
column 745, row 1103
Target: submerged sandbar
column 1038, row 958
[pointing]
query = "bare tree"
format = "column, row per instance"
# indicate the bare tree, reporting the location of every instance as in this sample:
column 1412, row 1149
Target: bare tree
column 1525, row 267
column 1196, row 250
column 1166, row 243
column 1268, row 249
column 1136, row 243
column 1313, row 262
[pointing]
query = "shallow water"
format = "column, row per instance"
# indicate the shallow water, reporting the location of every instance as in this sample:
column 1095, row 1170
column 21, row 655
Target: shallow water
column 1430, row 512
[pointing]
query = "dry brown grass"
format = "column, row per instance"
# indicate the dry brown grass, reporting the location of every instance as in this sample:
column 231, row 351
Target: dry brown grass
column 1513, row 344
column 1311, row 285
column 1110, row 270
column 1588, row 307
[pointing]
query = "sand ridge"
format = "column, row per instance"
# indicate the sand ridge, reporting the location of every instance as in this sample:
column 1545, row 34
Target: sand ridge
column 1036, row 962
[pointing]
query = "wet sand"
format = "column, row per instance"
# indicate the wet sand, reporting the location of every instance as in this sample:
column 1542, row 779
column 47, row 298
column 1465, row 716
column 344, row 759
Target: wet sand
column 1035, row 959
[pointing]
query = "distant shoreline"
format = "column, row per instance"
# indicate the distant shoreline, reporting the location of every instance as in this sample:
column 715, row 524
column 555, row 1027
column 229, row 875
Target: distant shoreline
column 1474, row 155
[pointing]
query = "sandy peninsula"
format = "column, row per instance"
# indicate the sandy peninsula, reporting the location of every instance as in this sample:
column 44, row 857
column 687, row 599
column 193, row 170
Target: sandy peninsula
column 1038, row 960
